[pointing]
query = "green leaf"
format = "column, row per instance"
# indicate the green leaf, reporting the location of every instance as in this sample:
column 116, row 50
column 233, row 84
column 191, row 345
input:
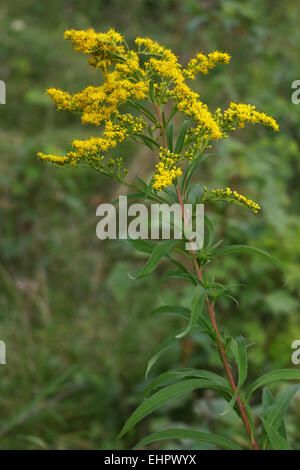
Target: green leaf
column 190, row 170
column 246, row 249
column 277, row 441
column 267, row 401
column 143, row 183
column 151, row 143
column 172, row 309
column 239, row 349
column 160, row 398
column 157, row 254
column 145, row 110
column 196, row 309
column 273, row 376
column 170, row 341
column 178, row 264
column 217, row 381
column 198, row 436
column 172, row 194
column 181, row 136
column 172, row 114
column 144, row 246
column 275, row 413
column 169, row 134
column 183, row 312
column 240, row 354
column 211, row 233
column 177, row 274
column 151, row 91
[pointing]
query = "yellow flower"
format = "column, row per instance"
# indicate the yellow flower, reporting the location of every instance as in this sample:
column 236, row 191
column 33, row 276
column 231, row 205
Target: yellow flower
column 158, row 77
column 89, row 41
column 227, row 194
column 166, row 170
column 202, row 63
column 62, row 99
column 241, row 113
column 52, row 158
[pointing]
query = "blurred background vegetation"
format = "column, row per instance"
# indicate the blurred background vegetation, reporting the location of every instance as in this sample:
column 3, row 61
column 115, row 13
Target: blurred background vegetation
column 77, row 328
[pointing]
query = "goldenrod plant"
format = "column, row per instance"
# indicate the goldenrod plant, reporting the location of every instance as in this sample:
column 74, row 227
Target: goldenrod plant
column 171, row 119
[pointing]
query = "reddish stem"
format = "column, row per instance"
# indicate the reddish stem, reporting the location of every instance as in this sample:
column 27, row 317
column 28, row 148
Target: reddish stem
column 219, row 340
column 211, row 310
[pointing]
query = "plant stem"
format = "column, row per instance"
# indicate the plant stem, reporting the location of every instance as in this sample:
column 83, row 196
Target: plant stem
column 211, row 310
column 219, row 341
column 163, row 132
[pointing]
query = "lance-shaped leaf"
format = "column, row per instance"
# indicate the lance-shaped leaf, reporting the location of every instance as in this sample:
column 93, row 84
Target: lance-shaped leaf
column 275, row 413
column 144, row 246
column 277, row 441
column 190, row 170
column 267, row 401
column 273, row 376
column 170, row 341
column 239, row 349
column 178, row 374
column 178, row 274
column 181, row 136
column 172, row 310
column 160, row 398
column 157, row 254
column 169, row 135
column 227, row 250
column 144, row 110
column 196, row 309
column 209, row 228
column 198, row 436
column 148, row 141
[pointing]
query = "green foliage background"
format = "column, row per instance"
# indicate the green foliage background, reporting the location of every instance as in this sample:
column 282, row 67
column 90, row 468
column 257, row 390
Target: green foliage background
column 77, row 328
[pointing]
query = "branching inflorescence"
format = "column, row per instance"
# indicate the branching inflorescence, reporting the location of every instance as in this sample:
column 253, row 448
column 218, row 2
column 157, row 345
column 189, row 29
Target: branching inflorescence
column 150, row 72
column 171, row 119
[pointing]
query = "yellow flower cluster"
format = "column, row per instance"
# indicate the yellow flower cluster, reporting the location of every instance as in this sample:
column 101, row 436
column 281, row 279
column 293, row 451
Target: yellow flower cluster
column 153, row 47
column 102, row 46
column 203, row 64
column 231, row 196
column 241, row 113
column 92, row 149
column 187, row 100
column 88, row 41
column 165, row 65
column 52, row 158
column 129, row 77
column 98, row 103
column 189, row 103
column 166, row 170
column 62, row 99
column 126, row 80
